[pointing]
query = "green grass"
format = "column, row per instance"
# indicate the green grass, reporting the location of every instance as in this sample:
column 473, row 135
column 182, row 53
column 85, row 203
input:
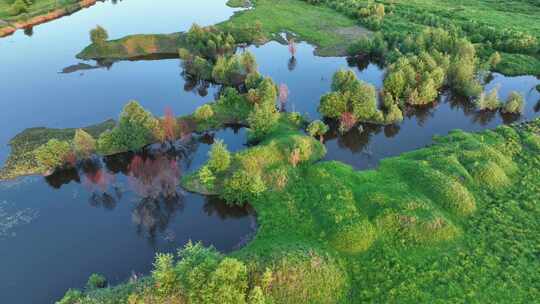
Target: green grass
column 451, row 223
column 238, row 3
column 521, row 16
column 331, row 31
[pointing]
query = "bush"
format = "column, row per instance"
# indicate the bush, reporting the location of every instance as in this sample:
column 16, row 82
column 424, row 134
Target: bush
column 490, row 102
column 53, row 154
column 96, row 281
column 204, row 113
column 84, row 144
column 242, row 187
column 333, row 105
column 220, row 157
column 72, row 296
column 18, row 7
column 514, row 104
column 262, row 120
column 317, row 128
column 99, row 35
column 207, row 177
column 164, row 275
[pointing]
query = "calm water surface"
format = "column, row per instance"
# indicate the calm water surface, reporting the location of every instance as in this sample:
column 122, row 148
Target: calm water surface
column 112, row 216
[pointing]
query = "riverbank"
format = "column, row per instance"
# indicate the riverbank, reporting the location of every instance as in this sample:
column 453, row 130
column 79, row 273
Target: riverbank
column 39, row 13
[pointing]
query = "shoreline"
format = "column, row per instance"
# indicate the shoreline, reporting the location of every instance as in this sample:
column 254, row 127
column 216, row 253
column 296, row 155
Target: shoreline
column 56, row 13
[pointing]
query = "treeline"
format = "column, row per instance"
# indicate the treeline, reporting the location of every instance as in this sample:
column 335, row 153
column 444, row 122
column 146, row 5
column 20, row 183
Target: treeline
column 420, row 67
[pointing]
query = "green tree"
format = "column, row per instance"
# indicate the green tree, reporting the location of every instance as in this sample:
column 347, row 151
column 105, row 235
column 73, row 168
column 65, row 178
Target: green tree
column 514, row 104
column 228, row 283
column 220, row 157
column 317, row 128
column 99, row 35
column 207, row 177
column 53, row 154
column 332, row 105
column 204, row 113
column 262, row 120
column 84, row 144
column 96, row 281
column 72, row 296
column 343, row 80
column 395, row 84
column 164, row 274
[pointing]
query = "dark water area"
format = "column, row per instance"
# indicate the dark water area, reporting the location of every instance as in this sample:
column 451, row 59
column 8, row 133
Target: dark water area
column 113, row 215
column 110, row 216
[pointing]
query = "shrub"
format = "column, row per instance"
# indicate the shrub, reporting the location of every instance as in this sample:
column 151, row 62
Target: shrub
column 204, row 113
column 228, row 284
column 18, row 7
column 317, row 128
column 262, row 120
column 96, row 281
column 207, row 177
column 135, row 129
column 243, row 187
column 98, row 35
column 256, row 296
column 514, row 104
column 53, row 154
column 164, row 275
column 394, row 115
column 220, row 157
column 84, row 144
column 194, row 270
column 488, row 102
column 72, row 296
column 332, row 105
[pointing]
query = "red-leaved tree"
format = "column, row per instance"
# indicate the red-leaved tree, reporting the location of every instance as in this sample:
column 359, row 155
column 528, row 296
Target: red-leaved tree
column 169, row 125
column 347, row 121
